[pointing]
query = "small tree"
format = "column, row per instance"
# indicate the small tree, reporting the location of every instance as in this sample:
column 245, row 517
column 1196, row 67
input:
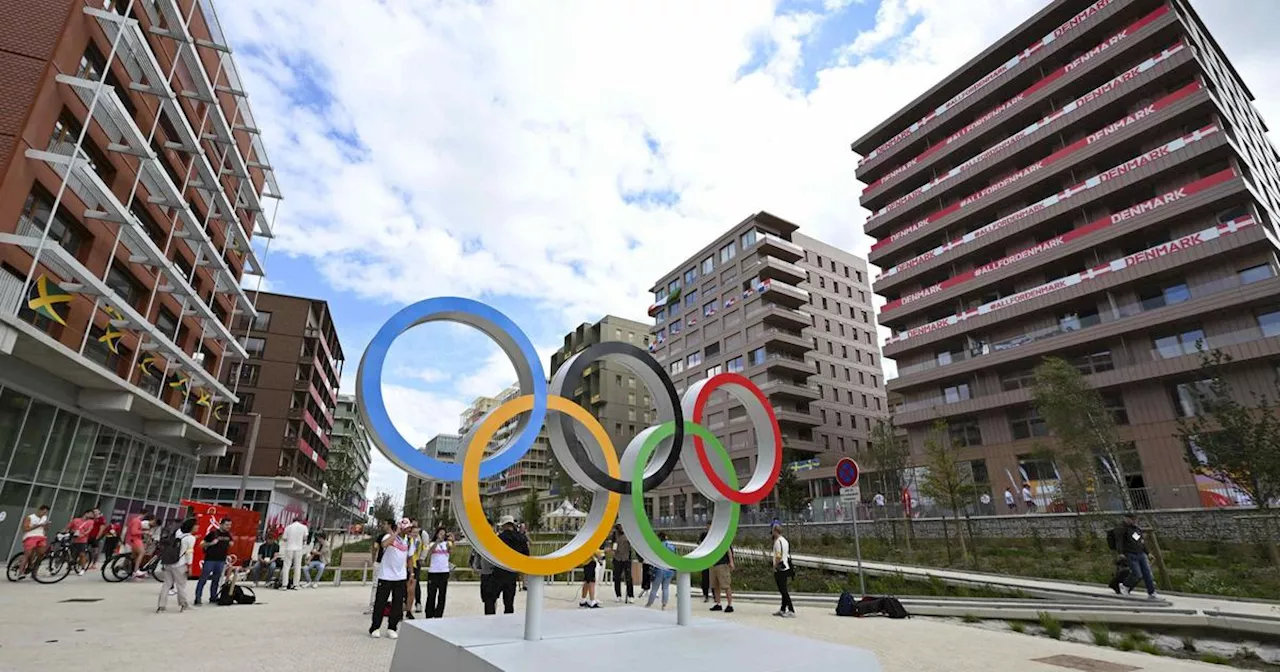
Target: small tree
column 1083, row 430
column 384, row 508
column 532, row 513
column 792, row 494
column 948, row 479
column 1239, row 443
column 887, row 456
column 342, row 476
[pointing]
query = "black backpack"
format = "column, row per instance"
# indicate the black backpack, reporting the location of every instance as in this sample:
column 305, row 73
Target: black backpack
column 891, row 607
column 226, row 595
column 845, row 605
column 170, row 548
column 243, row 595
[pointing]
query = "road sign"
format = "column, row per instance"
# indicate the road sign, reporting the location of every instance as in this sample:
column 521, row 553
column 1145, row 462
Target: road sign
column 851, row 493
column 847, row 472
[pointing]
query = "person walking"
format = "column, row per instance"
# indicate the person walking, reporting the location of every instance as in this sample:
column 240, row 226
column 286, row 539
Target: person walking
column 216, row 544
column 622, row 565
column 392, row 575
column 662, row 576
column 1009, row 501
column 1028, row 498
column 321, row 553
column 488, row 596
column 504, row 580
column 438, row 567
column 1131, row 542
column 177, row 555
column 782, row 572
column 590, row 570
column 294, row 543
column 722, row 580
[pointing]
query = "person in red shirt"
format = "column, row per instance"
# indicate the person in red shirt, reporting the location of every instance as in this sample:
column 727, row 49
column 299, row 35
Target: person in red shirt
column 95, row 536
column 134, row 539
column 80, row 529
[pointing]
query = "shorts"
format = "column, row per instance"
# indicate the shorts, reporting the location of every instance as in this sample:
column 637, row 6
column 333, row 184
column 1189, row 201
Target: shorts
column 720, row 577
column 137, row 544
column 32, row 543
column 77, row 548
column 589, row 572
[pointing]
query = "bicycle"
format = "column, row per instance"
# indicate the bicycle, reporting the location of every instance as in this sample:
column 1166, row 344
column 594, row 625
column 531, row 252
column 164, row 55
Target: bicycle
column 119, row 567
column 52, row 566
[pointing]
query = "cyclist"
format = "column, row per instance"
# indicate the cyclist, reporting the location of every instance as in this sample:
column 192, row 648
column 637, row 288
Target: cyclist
column 80, row 529
column 34, row 539
column 134, row 538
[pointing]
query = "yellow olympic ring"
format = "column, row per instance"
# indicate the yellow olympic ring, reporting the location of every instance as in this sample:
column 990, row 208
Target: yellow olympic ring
column 559, row 561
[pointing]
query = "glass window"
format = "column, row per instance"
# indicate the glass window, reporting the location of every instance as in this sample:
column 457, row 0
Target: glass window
column 695, row 359
column 97, row 470
column 691, row 298
column 690, row 275
column 708, row 265
column 166, row 323
column 126, row 286
column 1270, row 323
column 146, row 470
column 132, row 467
column 1177, row 345
column 13, row 409
column 675, row 327
column 677, row 366
column 58, row 447
column 81, row 449
column 13, row 504
column 255, row 346
column 35, row 214
column 35, row 432
column 735, row 365
column 728, row 252
column 1255, row 273
column 1115, row 405
column 1187, row 397
column 757, row 356
column 111, row 482
column 159, row 486
column 1027, row 423
column 262, row 322
column 709, row 309
column 748, row 239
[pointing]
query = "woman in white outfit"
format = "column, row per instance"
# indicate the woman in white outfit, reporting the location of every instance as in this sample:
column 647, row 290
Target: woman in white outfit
column 782, row 572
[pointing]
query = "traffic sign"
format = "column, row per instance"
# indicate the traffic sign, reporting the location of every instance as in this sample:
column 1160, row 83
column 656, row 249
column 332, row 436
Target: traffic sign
column 851, row 493
column 847, row 472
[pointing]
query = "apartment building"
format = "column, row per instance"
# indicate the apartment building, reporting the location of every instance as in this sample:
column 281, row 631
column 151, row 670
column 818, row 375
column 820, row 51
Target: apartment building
column 132, row 184
column 610, row 390
column 350, row 448
column 426, row 499
column 281, row 429
column 1095, row 186
column 506, row 493
column 795, row 316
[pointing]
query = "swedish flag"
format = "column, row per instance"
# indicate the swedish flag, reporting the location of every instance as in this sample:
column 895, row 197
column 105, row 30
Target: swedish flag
column 204, row 398
column 148, row 366
column 50, row 300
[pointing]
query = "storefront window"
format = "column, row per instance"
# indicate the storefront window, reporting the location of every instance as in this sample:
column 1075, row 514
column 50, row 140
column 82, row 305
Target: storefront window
column 81, row 450
column 55, row 453
column 13, row 409
column 26, row 456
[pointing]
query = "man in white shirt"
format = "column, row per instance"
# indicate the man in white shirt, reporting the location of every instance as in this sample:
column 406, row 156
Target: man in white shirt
column 34, row 539
column 1028, row 498
column 294, row 548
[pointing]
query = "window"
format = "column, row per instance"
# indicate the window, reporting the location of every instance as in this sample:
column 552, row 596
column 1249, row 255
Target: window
column 709, row 309
column 1016, row 380
column 690, row 275
column 1164, row 296
column 35, row 214
column 1255, row 273
column 262, row 322
column 677, row 366
column 955, row 393
column 727, row 253
column 101, row 353
column 695, row 359
column 247, row 374
column 1177, row 345
column 65, row 133
column 1188, row 398
column 245, row 405
column 749, row 239
column 691, row 298
column 1115, row 406
column 1026, row 423
column 735, row 365
column 715, row 370
column 1270, row 323
column 708, row 265
column 673, row 286
column 1093, row 363
column 126, row 287
column 675, row 327
column 166, row 323
column 965, row 432
column 255, row 346
column 712, row 350
column 757, row 356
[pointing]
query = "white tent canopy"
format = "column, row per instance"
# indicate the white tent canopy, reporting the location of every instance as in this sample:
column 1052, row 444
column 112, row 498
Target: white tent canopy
column 566, row 510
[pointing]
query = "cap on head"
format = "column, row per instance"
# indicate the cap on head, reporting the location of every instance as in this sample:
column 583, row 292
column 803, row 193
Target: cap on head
column 507, row 520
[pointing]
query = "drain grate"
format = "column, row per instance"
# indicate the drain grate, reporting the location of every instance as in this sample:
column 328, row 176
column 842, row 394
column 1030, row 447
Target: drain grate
column 81, row 600
column 1085, row 664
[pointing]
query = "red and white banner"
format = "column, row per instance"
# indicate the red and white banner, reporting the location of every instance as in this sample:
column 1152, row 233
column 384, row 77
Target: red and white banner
column 1035, row 207
column 1012, row 102
column 1057, row 241
column 1150, row 254
column 1008, row 65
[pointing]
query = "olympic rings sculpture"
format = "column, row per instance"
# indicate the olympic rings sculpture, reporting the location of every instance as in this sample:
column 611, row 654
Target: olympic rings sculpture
column 588, row 457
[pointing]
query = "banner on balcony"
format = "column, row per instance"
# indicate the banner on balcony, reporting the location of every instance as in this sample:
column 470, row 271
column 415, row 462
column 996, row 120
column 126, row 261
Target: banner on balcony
column 47, row 299
column 1054, row 199
column 1013, row 102
column 1008, row 65
column 1100, row 224
column 1150, row 254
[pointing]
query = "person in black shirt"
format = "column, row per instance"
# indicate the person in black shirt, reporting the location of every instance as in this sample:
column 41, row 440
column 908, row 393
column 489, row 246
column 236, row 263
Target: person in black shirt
column 503, row 581
column 216, row 544
column 268, row 555
column 1130, row 542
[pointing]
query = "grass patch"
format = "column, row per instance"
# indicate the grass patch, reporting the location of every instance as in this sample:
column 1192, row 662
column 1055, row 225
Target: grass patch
column 1151, row 648
column 1052, row 626
column 1018, row 626
column 1101, row 634
column 1214, row 659
column 970, row 618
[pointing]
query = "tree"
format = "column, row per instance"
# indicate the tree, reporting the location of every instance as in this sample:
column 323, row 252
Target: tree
column 792, row 494
column 532, row 513
column 888, row 456
column 384, row 508
column 1084, row 431
column 1232, row 441
column 947, row 479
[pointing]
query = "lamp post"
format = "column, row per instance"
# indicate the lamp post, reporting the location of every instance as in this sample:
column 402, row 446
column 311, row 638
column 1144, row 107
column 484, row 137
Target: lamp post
column 248, row 459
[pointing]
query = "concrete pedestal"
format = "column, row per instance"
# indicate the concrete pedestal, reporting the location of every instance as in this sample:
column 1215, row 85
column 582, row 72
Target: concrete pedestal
column 623, row 639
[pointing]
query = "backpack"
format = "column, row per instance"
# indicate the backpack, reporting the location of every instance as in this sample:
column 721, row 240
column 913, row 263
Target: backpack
column 170, row 548
column 1111, row 539
column 845, row 605
column 891, row 607
column 243, row 595
column 226, row 595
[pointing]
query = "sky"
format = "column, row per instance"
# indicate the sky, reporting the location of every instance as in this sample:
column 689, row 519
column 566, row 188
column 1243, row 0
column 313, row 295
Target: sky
column 553, row 158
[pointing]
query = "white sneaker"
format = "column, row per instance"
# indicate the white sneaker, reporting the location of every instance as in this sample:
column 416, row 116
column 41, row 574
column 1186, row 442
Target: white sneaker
column 1153, row 596
column 79, row 572
column 392, row 634
column 375, row 634
column 780, row 613
column 173, row 592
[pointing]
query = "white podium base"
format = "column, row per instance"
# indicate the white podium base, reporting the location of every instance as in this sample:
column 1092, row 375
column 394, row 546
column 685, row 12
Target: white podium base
column 622, row 639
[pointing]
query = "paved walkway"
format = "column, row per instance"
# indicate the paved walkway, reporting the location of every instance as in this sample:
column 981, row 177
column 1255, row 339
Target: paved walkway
column 323, row 629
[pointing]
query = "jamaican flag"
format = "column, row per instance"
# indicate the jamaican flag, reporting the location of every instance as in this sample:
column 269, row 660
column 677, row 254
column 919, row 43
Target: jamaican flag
column 181, row 382
column 50, row 300
column 112, row 313
column 148, row 366
column 204, row 397
column 220, row 412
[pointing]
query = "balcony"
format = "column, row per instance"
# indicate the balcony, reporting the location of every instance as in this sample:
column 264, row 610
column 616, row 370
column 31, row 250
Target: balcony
column 790, row 416
column 783, row 249
column 596, row 399
column 787, row 388
column 786, row 340
column 793, row 441
column 774, row 268
column 777, row 361
column 785, row 294
column 781, row 316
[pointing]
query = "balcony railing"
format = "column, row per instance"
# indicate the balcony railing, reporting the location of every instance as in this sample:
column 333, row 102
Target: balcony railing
column 1065, row 326
column 770, row 240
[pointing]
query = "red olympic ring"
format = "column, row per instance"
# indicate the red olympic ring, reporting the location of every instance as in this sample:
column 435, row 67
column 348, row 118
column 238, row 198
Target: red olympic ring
column 754, row 495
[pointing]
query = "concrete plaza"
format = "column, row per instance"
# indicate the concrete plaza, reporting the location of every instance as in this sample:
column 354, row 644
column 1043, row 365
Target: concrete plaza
column 324, row 629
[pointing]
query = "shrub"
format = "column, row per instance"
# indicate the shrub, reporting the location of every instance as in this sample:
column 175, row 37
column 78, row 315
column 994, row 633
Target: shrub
column 1151, row 648
column 1052, row 626
column 1018, row 626
column 1101, row 635
column 1214, row 659
column 970, row 618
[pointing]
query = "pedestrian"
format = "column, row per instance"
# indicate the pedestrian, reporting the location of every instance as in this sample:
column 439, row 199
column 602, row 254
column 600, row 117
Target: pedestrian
column 392, row 575
column 438, row 567
column 177, row 555
column 110, row 541
column 294, row 543
column 721, row 580
column 1009, row 501
column 376, row 556
column 95, row 537
column 1131, row 542
column 1027, row 498
column 504, row 580
column 320, row 556
column 414, row 539
column 622, row 565
column 136, row 527
column 662, row 576
column 80, row 529
column 706, row 573
column 782, row 572
column 590, row 570
column 488, row 596
column 216, row 544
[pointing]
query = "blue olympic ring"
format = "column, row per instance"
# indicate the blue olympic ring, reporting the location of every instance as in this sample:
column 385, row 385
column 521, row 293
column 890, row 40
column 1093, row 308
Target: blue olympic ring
column 514, row 343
